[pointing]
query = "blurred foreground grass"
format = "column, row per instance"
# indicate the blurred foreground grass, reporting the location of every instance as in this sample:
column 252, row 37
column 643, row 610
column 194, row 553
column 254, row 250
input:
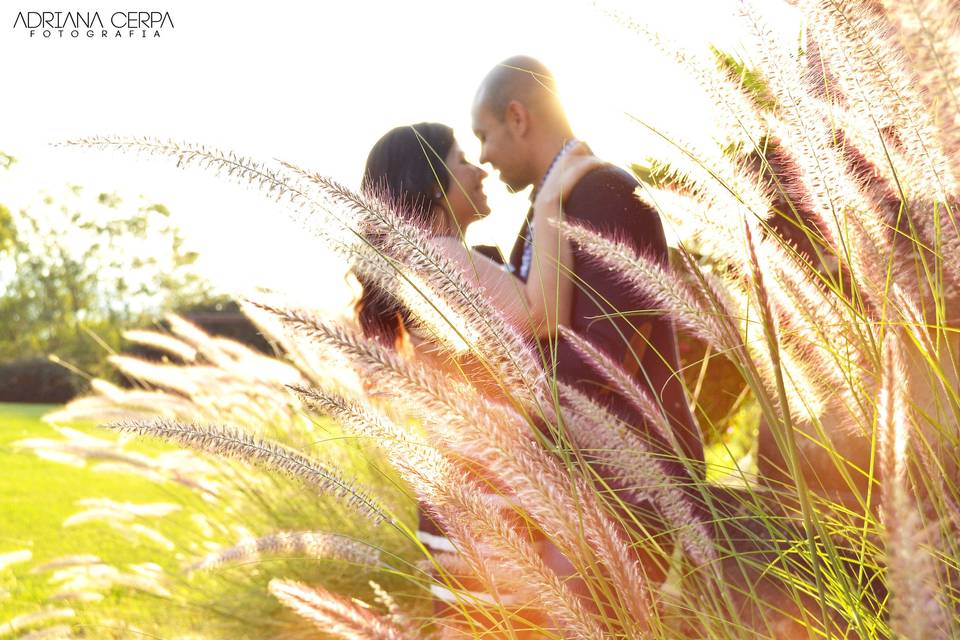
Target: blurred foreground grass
column 37, row 495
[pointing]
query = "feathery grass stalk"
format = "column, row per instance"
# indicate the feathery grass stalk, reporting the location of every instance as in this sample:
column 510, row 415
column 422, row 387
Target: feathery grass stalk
column 373, row 357
column 497, row 342
column 870, row 71
column 334, row 614
column 707, row 309
column 879, row 87
column 627, row 387
column 915, row 606
column 162, row 342
column 431, row 475
column 315, row 545
column 469, row 517
column 813, row 313
column 28, row 620
column 643, row 478
column 563, row 506
column 220, row 162
column 806, row 394
column 786, row 439
column 928, row 32
column 669, row 292
column 516, row 552
column 421, row 462
column 394, row 613
column 833, row 194
column 232, row 443
column 710, row 317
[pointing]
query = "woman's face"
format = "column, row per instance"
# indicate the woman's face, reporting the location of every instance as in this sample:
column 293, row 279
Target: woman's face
column 464, row 196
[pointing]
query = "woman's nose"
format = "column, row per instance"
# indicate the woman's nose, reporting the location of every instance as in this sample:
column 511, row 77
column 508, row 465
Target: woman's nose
column 483, row 174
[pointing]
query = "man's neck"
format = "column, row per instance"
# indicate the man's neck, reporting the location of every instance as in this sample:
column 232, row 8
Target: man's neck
column 546, row 153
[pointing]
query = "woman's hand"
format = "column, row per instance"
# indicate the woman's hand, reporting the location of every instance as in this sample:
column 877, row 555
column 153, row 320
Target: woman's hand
column 549, row 287
column 570, row 167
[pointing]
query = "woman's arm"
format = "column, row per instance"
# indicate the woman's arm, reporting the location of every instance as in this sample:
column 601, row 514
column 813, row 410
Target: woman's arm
column 506, row 291
column 549, row 286
column 543, row 302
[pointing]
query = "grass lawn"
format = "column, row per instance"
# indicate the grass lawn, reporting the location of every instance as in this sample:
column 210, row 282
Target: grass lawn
column 37, row 495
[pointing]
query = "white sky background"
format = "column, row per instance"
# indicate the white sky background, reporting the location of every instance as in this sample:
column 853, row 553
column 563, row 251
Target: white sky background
column 317, row 84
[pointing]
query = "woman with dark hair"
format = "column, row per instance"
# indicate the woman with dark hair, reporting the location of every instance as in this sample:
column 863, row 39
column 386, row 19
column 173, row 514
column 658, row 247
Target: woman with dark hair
column 422, row 169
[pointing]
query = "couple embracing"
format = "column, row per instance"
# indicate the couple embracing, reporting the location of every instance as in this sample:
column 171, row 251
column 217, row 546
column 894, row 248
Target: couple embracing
column 545, row 283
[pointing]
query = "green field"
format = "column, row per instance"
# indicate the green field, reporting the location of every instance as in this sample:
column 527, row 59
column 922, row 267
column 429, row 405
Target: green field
column 37, row 495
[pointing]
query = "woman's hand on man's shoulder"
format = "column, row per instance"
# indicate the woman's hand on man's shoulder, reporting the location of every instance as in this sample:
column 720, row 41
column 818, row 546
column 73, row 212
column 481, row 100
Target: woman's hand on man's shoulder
column 573, row 166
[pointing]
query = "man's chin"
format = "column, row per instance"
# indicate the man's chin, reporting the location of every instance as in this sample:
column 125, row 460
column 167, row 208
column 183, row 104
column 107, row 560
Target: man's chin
column 515, row 186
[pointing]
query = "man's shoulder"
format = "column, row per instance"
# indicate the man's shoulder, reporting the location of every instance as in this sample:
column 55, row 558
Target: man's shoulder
column 607, row 176
column 605, row 200
column 606, row 191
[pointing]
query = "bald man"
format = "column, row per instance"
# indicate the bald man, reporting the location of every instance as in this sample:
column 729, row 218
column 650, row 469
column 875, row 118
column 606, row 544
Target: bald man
column 523, row 131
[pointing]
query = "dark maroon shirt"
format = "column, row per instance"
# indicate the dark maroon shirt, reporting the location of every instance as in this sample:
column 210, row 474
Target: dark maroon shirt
column 604, row 201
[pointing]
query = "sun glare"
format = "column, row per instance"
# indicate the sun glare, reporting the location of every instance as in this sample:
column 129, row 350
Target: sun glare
column 336, row 78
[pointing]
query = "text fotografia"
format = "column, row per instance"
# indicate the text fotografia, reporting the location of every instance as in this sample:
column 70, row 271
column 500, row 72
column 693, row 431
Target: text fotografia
column 93, row 24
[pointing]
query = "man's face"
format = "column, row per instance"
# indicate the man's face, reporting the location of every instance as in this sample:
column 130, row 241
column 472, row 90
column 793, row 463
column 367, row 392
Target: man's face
column 501, row 147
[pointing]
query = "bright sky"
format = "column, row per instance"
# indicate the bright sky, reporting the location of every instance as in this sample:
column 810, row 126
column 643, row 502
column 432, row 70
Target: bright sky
column 317, row 83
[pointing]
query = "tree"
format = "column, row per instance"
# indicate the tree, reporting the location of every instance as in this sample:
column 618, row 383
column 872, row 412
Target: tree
column 78, row 269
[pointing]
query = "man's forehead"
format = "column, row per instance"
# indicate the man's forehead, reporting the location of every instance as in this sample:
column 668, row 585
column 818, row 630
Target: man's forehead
column 481, row 116
column 482, row 105
column 480, row 97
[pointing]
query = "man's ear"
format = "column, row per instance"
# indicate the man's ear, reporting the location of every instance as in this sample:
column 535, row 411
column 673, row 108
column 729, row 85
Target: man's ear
column 518, row 118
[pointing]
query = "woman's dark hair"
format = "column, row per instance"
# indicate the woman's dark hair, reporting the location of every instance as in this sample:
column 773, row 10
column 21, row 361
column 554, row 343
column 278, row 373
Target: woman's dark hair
column 404, row 167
